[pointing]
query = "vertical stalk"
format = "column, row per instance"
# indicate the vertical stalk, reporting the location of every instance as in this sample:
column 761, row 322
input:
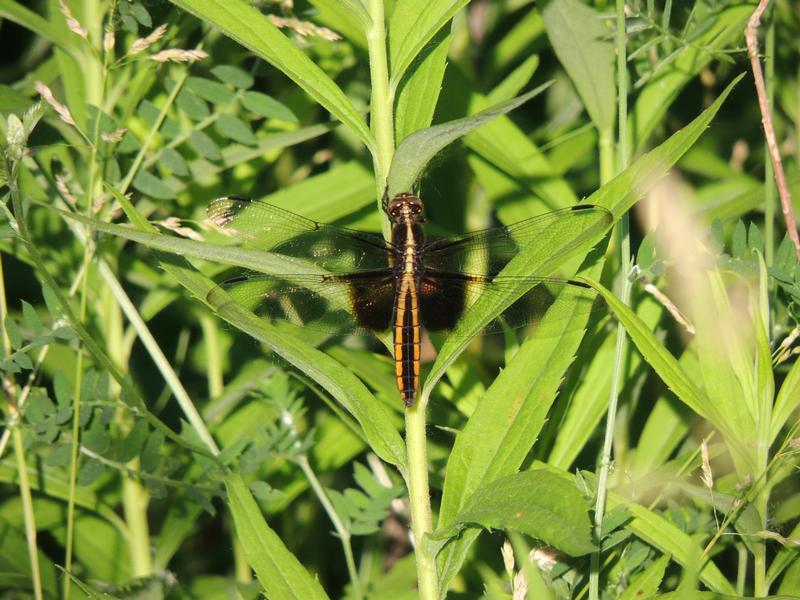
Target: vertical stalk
column 28, row 516
column 381, row 100
column 741, row 571
column 382, row 125
column 625, row 293
column 420, row 498
column 135, row 500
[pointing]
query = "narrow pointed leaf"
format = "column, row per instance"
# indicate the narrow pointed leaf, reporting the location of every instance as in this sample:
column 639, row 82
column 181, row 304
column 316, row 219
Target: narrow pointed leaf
column 413, row 24
column 419, row 148
column 581, row 42
column 276, row 567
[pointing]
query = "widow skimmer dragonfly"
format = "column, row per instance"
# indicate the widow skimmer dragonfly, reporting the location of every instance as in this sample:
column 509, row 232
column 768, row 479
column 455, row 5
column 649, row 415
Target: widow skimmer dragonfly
column 344, row 281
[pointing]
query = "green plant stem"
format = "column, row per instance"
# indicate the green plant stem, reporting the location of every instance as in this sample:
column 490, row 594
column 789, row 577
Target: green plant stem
column 28, row 515
column 213, row 357
column 741, row 571
column 76, row 430
column 420, row 498
column 606, row 148
column 621, row 344
column 382, row 124
column 135, row 501
column 381, row 101
column 341, row 530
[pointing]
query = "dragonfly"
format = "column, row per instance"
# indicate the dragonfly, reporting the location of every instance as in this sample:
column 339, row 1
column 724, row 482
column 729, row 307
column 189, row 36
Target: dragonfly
column 344, row 281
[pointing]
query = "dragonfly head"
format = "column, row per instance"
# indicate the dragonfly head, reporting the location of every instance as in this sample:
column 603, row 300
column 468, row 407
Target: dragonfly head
column 406, row 206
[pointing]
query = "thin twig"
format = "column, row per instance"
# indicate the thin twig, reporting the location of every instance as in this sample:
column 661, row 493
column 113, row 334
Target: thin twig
column 751, row 36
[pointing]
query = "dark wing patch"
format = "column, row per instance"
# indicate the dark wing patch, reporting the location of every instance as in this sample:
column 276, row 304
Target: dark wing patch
column 449, row 297
column 262, row 226
column 442, row 301
column 488, row 251
column 356, row 304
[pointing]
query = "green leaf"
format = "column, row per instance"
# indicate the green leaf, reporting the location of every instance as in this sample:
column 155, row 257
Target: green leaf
column 787, row 401
column 646, row 583
column 174, row 161
column 655, row 353
column 412, row 26
column 373, row 416
column 89, row 471
column 62, row 389
column 213, row 91
column 151, row 456
column 235, row 129
column 536, row 503
column 193, row 106
column 130, row 447
column 234, row 75
column 96, row 438
column 419, row 91
column 61, row 456
column 140, row 13
column 14, row 334
column 32, row 320
column 150, row 185
column 23, row 360
column 267, row 106
column 346, row 17
column 581, row 43
column 276, row 567
column 205, row 146
column 489, row 447
column 739, row 240
column 414, row 153
column 51, row 302
column 249, row 27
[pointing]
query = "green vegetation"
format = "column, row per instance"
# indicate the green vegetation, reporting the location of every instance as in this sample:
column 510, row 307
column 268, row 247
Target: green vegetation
column 157, row 444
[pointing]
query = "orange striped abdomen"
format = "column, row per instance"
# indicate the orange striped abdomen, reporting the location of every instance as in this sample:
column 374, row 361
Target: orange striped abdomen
column 407, row 341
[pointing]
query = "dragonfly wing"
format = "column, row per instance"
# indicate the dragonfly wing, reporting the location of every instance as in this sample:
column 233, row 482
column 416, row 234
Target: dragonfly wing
column 446, row 297
column 262, row 226
column 488, row 251
column 357, row 303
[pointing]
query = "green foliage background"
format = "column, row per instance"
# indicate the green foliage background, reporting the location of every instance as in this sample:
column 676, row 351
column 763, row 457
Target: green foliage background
column 152, row 448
